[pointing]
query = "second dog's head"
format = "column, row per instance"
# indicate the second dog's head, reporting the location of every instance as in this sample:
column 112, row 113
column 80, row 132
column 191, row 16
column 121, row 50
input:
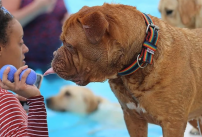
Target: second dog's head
column 74, row 99
column 180, row 13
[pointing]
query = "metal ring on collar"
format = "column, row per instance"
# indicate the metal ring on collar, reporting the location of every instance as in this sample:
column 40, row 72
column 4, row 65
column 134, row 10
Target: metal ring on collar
column 153, row 26
column 139, row 63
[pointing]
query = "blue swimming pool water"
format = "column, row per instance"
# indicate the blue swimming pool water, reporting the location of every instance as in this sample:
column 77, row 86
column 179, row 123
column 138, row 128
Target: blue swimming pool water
column 72, row 125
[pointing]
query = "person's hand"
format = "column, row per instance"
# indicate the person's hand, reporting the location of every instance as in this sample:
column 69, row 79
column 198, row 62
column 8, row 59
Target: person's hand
column 20, row 98
column 19, row 87
column 46, row 5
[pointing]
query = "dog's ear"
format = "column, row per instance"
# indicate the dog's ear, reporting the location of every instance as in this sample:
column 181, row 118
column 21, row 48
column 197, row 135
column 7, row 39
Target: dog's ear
column 188, row 9
column 94, row 25
column 91, row 103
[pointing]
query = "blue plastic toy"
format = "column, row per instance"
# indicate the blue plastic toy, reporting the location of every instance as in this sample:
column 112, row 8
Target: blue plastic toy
column 31, row 78
column 10, row 74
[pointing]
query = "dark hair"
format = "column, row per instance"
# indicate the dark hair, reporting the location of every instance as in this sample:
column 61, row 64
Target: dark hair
column 5, row 18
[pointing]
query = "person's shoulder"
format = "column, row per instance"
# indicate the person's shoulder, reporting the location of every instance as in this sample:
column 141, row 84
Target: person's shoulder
column 4, row 92
column 7, row 97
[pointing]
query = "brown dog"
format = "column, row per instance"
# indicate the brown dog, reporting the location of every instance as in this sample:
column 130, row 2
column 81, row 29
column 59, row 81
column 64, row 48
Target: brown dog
column 182, row 13
column 101, row 41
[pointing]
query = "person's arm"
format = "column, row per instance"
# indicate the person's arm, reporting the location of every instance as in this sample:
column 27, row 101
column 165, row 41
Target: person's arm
column 30, row 12
column 13, row 119
column 37, row 122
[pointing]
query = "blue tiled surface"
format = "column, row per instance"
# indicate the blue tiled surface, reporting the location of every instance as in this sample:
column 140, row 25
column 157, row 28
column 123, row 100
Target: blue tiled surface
column 72, row 125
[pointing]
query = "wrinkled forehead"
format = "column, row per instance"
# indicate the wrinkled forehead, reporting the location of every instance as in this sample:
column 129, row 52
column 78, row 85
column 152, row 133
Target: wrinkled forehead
column 72, row 32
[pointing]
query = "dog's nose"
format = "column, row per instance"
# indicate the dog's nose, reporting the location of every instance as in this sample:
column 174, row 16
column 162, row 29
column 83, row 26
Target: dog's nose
column 48, row 101
column 62, row 110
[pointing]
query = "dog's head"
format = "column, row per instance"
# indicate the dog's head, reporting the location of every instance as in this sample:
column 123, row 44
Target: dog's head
column 96, row 44
column 179, row 13
column 74, row 99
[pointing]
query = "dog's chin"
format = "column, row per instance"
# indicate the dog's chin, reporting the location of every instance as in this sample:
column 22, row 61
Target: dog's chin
column 73, row 77
column 80, row 82
column 63, row 75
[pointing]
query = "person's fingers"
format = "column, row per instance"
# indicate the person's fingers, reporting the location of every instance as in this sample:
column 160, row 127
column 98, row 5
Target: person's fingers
column 6, row 83
column 5, row 74
column 17, row 73
column 20, row 97
column 24, row 76
column 3, row 86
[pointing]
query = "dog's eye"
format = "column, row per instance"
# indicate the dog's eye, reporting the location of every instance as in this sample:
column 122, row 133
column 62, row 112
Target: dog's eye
column 169, row 12
column 67, row 94
column 69, row 46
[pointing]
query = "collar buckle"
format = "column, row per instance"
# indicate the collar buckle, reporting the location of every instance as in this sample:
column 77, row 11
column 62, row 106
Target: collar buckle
column 153, row 26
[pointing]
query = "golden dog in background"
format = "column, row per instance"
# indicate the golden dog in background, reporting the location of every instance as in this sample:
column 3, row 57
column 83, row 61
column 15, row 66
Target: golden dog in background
column 182, row 13
column 82, row 101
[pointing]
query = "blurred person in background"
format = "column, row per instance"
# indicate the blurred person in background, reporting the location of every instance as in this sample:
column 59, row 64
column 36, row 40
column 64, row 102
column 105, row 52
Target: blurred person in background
column 42, row 24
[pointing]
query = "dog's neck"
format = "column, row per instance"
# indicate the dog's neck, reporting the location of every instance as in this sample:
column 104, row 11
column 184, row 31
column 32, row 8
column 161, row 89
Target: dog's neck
column 134, row 37
column 129, row 29
column 148, row 48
